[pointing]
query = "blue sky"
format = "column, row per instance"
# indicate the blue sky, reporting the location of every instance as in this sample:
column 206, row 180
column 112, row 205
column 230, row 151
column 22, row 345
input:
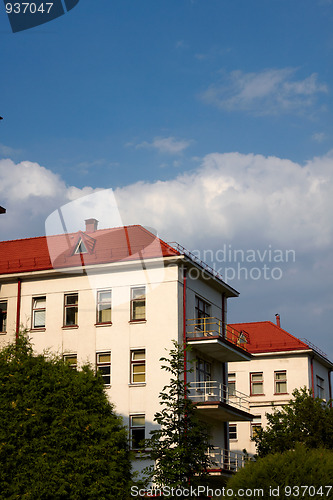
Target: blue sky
column 210, row 119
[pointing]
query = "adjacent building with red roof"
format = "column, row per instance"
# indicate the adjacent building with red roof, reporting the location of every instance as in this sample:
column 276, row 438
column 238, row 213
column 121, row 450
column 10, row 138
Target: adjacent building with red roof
column 280, row 363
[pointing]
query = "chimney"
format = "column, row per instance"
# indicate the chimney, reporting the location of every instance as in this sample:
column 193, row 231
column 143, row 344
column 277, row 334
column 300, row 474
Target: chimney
column 277, row 316
column 91, row 225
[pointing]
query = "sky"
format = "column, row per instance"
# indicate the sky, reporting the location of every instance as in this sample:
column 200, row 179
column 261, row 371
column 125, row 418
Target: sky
column 207, row 120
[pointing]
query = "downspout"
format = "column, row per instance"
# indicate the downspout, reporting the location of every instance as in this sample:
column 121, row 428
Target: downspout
column 330, row 387
column 18, row 310
column 184, row 328
column 225, row 382
column 312, row 380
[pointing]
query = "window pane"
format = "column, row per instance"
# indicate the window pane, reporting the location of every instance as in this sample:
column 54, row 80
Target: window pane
column 256, row 377
column 39, row 303
column 71, row 316
column 136, row 355
column 280, row 375
column 139, row 309
column 281, row 387
column 257, row 389
column 104, row 313
column 71, row 299
column 104, row 357
column 39, row 319
column 138, row 420
column 139, row 377
column 138, row 293
column 139, row 368
column 138, row 436
column 104, row 296
column 3, row 316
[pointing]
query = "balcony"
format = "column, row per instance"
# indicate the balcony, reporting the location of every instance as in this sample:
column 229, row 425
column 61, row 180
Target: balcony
column 212, row 337
column 216, row 402
column 225, row 461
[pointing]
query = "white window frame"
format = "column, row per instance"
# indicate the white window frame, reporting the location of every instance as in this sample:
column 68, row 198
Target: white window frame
column 255, row 425
column 136, row 428
column 233, row 430
column 254, row 383
column 139, row 362
column 71, row 360
column 3, row 313
column 104, row 367
column 99, row 306
column 136, row 299
column 278, row 381
column 37, row 309
column 74, row 306
column 231, row 384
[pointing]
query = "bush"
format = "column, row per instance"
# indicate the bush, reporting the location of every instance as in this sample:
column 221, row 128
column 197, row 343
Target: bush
column 300, row 473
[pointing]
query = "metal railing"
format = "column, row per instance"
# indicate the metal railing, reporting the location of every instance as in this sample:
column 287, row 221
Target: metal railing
column 214, row 327
column 210, row 390
column 314, row 347
column 227, row 460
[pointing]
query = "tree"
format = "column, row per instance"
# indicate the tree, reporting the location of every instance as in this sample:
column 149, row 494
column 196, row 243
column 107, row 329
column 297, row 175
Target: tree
column 299, row 473
column 59, row 435
column 305, row 420
column 179, row 447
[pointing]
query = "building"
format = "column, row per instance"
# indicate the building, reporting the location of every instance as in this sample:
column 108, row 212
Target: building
column 117, row 298
column 280, row 364
column 2, row 210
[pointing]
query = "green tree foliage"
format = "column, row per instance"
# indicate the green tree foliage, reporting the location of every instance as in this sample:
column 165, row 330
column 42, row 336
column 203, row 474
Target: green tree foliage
column 299, row 473
column 179, row 447
column 59, row 435
column 305, row 420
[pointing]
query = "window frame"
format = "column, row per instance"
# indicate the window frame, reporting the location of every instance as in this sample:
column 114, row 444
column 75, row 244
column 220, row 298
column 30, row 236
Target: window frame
column 202, row 310
column 203, row 373
column 66, row 357
column 232, row 381
column 100, row 302
column 137, row 362
column 320, row 388
column 233, row 430
column 256, row 425
column 104, row 364
column 136, row 428
column 253, row 383
column 279, row 381
column 3, row 316
column 134, row 301
column 71, row 306
column 38, row 309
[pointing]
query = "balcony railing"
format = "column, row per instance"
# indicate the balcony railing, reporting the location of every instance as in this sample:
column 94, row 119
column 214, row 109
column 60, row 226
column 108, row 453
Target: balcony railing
column 227, row 460
column 214, row 327
column 201, row 392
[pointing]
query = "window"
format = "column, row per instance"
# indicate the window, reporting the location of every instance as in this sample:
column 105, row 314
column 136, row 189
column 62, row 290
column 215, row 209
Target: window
column 81, row 248
column 71, row 309
column 257, row 383
column 202, row 311
column 203, row 370
column 320, row 387
column 71, row 360
column 255, row 426
column 104, row 366
column 3, row 316
column 137, row 431
column 104, row 306
column 280, row 381
column 232, row 431
column 138, row 366
column 138, row 303
column 231, row 383
column 38, row 312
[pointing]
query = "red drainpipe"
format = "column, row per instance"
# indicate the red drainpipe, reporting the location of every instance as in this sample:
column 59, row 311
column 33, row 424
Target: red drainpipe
column 312, row 381
column 18, row 309
column 330, row 387
column 184, row 328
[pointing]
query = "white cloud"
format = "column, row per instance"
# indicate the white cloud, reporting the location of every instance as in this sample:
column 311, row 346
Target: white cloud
column 319, row 137
column 30, row 192
column 271, row 91
column 168, row 145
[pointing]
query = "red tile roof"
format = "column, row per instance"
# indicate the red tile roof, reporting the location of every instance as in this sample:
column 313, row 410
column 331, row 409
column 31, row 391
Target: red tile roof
column 265, row 336
column 103, row 246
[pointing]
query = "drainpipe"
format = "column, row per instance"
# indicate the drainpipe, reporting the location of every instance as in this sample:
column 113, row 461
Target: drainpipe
column 18, row 309
column 312, row 380
column 184, row 327
column 330, row 387
column 225, row 380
